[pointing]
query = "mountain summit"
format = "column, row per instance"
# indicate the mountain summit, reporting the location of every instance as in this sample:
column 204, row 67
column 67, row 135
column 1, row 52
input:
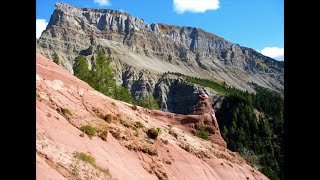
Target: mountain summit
column 141, row 51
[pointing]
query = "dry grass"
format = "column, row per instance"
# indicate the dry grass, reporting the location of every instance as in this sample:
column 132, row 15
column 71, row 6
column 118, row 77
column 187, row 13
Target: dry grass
column 149, row 150
column 165, row 141
column 85, row 157
column 108, row 118
column 103, row 135
column 66, row 112
column 138, row 124
column 89, row 130
column 116, row 134
column 125, row 123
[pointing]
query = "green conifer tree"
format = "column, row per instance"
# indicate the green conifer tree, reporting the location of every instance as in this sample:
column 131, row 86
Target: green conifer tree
column 103, row 77
column 81, row 69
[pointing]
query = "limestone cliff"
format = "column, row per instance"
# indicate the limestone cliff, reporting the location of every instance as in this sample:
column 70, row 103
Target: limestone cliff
column 154, row 48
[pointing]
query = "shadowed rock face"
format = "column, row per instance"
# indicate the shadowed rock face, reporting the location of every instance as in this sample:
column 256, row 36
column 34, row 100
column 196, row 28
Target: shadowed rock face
column 175, row 94
column 64, row 104
column 152, row 49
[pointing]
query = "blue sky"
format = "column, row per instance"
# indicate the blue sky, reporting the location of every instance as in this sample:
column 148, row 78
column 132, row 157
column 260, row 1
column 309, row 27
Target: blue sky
column 258, row 24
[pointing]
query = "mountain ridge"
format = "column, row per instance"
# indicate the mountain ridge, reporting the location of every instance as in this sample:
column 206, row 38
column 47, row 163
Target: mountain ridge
column 172, row 64
column 193, row 51
column 140, row 53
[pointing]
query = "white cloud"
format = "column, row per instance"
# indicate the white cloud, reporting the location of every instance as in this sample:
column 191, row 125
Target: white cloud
column 41, row 25
column 195, row 6
column 102, row 2
column 274, row 52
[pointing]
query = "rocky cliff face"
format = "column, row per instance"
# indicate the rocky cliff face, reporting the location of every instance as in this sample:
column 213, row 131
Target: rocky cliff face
column 142, row 52
column 168, row 91
column 120, row 147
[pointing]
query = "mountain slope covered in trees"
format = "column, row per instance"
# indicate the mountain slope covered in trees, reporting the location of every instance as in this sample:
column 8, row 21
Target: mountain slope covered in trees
column 252, row 124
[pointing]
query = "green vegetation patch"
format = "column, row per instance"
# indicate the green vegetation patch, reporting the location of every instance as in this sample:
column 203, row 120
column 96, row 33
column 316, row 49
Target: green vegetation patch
column 85, row 157
column 66, row 111
column 154, row 132
column 203, row 133
column 89, row 130
column 102, row 79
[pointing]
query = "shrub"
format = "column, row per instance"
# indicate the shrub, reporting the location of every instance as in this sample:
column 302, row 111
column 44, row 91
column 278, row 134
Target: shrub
column 153, row 133
column 136, row 133
column 186, row 147
column 250, row 157
column 89, row 130
column 138, row 124
column 108, row 118
column 116, row 134
column 149, row 150
column 203, row 133
column 165, row 141
column 55, row 58
column 174, row 134
column 104, row 135
column 91, row 160
column 134, row 107
column 66, row 111
column 102, row 131
column 101, row 116
column 85, row 157
column 125, row 123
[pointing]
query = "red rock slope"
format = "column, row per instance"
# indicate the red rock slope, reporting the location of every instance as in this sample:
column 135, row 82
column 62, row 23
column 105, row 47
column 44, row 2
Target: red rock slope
column 64, row 104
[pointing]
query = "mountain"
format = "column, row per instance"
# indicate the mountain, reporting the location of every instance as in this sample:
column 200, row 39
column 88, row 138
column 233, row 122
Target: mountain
column 172, row 64
column 140, row 52
column 116, row 144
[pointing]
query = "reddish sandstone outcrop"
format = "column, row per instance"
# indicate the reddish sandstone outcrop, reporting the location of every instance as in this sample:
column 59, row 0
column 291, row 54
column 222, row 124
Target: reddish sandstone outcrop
column 64, row 104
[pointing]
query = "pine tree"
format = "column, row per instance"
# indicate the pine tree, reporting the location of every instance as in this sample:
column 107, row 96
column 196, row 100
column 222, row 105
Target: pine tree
column 241, row 135
column 254, row 125
column 103, row 78
column 225, row 133
column 148, row 102
column 81, row 69
column 122, row 94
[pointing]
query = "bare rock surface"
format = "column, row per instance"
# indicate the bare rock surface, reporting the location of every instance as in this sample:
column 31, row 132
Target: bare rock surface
column 152, row 49
column 64, row 104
